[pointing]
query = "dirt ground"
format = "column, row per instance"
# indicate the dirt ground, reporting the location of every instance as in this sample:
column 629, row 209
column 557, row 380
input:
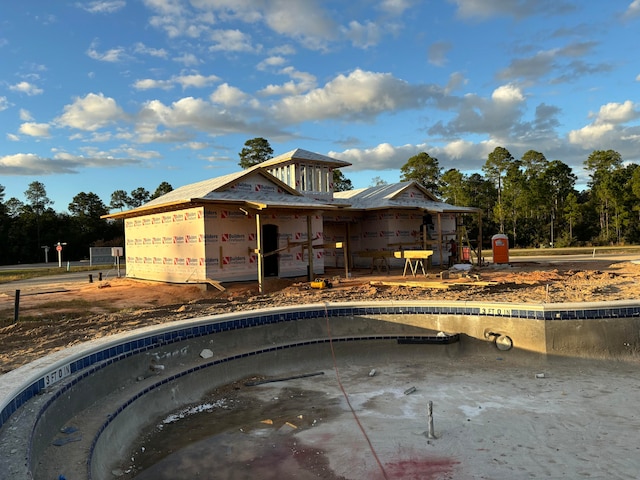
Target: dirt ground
column 65, row 314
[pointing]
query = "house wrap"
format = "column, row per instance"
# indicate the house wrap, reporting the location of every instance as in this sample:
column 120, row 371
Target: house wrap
column 281, row 218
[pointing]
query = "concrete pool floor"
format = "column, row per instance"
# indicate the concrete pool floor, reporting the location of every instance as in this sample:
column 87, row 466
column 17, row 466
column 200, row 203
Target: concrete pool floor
column 497, row 415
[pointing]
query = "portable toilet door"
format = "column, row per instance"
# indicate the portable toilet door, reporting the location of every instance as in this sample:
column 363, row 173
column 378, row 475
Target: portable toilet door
column 500, row 248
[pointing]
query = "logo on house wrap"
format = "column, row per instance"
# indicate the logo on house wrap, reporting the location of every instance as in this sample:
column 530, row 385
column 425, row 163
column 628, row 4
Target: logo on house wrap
column 128, row 223
column 253, row 258
column 146, row 221
column 190, row 216
column 179, row 261
column 370, row 234
column 178, row 239
column 235, row 260
column 177, row 218
column 233, row 237
column 232, row 215
column 191, row 262
column 213, row 262
column 265, row 188
column 403, row 216
column 166, row 218
column 299, row 256
column 300, row 235
column 242, row 187
column 157, row 261
column 211, row 213
column 147, row 241
column 285, row 236
column 251, row 237
column 387, row 233
column 167, row 240
column 319, row 254
column 156, row 220
column 138, row 241
column 156, row 241
column 403, row 233
column 191, row 239
column 211, row 238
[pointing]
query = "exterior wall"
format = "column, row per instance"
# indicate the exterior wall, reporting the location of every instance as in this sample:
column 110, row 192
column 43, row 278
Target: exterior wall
column 231, row 240
column 387, row 230
column 292, row 228
column 168, row 247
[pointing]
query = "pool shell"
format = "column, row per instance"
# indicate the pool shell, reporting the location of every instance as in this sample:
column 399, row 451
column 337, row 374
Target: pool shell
column 40, row 398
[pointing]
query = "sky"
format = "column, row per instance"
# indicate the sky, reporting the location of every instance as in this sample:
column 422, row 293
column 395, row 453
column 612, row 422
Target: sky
column 99, row 96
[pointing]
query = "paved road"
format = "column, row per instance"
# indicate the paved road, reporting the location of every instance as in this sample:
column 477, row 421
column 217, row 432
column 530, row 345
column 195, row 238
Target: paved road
column 54, row 282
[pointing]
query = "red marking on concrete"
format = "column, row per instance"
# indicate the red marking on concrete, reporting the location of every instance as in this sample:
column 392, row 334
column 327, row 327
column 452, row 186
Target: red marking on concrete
column 422, row 469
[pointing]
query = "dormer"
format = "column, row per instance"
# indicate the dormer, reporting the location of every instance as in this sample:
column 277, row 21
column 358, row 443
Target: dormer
column 309, row 173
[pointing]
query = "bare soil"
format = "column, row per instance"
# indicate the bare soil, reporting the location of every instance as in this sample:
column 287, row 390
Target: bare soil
column 66, row 314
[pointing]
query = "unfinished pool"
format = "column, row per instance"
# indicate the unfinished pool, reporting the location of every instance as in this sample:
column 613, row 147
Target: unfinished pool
column 93, row 411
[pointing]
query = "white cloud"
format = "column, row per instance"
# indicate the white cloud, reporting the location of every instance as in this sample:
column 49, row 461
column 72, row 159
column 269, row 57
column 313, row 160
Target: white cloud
column 12, row 137
column 112, row 55
column 228, row 96
column 90, row 113
column 273, row 61
column 186, row 81
column 607, row 126
column 26, row 88
column 102, row 6
column 149, row 83
column 195, row 80
column 35, row 129
column 507, row 94
column 25, row 116
column 4, row 104
column 363, row 35
column 395, row 7
column 633, row 10
column 590, row 136
column 301, row 82
column 187, row 59
column 359, row 96
column 153, row 52
column 231, row 41
column 617, row 112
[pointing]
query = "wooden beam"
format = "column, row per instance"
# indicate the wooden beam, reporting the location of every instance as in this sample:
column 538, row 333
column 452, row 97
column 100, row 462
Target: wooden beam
column 260, row 255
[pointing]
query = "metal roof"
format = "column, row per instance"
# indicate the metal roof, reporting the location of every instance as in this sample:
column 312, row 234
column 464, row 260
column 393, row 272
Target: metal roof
column 301, row 154
column 396, row 195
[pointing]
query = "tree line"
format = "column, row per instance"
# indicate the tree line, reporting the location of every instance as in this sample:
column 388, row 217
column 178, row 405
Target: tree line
column 531, row 199
column 534, row 200
column 27, row 227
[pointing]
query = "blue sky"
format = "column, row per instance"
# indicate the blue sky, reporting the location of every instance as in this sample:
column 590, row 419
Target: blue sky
column 98, row 96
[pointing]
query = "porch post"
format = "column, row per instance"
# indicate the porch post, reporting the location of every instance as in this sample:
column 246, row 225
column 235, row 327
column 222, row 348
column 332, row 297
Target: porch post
column 310, row 248
column 259, row 251
column 480, row 238
column 440, row 239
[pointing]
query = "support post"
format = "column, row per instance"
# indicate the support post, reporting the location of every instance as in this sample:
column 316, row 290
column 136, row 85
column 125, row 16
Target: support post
column 16, row 307
column 440, row 245
column 479, row 239
column 260, row 250
column 310, row 248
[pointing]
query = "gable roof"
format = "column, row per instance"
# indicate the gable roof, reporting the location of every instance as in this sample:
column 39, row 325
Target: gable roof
column 231, row 188
column 398, row 195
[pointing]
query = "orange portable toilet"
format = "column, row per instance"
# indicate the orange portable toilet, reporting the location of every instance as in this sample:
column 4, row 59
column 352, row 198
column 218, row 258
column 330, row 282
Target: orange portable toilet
column 500, row 247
